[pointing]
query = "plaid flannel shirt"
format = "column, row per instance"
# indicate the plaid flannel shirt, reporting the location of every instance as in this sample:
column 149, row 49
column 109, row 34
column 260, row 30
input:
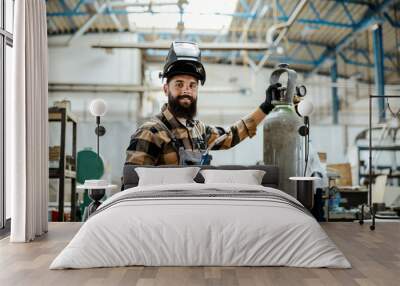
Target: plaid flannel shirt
column 152, row 145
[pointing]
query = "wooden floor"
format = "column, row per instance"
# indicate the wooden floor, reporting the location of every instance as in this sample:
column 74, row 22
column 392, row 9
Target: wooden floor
column 374, row 255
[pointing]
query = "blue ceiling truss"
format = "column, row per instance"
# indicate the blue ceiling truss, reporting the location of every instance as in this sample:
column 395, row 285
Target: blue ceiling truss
column 347, row 12
column 78, row 5
column 375, row 13
column 392, row 22
column 318, row 20
column 245, row 5
column 370, row 18
column 66, row 8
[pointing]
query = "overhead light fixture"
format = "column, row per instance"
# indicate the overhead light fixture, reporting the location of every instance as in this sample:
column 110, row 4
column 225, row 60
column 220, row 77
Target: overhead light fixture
column 280, row 50
column 329, row 61
column 375, row 26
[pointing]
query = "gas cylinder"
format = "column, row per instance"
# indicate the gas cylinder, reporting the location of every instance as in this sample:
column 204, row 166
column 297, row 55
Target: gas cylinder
column 283, row 146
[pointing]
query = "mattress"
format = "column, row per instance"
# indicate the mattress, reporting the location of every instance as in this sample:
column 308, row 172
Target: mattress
column 201, row 225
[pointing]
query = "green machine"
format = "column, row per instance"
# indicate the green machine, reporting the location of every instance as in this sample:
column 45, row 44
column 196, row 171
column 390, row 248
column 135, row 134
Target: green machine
column 89, row 167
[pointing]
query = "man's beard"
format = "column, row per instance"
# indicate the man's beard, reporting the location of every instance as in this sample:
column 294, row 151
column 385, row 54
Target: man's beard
column 181, row 111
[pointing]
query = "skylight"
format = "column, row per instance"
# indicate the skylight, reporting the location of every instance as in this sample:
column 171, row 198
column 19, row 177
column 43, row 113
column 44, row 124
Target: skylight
column 198, row 15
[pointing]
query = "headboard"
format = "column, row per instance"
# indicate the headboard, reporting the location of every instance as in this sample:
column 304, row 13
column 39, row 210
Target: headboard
column 130, row 178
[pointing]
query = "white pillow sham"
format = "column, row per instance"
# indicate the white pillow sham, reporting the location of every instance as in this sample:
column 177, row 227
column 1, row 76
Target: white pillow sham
column 248, row 177
column 166, row 176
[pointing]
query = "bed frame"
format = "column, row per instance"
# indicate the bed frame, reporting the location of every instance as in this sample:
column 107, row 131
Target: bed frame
column 130, row 178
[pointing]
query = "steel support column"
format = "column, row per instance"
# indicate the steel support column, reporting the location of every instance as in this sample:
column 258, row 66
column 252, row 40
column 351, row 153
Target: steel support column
column 335, row 97
column 379, row 69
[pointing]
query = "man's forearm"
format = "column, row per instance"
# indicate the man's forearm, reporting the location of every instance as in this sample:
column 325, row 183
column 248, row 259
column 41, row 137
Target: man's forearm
column 246, row 127
column 258, row 115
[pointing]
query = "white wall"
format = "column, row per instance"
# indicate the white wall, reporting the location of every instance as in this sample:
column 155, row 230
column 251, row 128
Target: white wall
column 80, row 63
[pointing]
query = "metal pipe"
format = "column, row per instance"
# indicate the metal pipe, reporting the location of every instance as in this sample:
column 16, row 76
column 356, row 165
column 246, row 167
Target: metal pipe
column 227, row 46
column 131, row 88
column 370, row 158
column 138, row 4
column 284, row 26
column 84, row 27
column 114, row 17
column 98, row 135
column 72, row 87
column 379, row 69
column 243, row 36
column 249, row 21
column 335, row 97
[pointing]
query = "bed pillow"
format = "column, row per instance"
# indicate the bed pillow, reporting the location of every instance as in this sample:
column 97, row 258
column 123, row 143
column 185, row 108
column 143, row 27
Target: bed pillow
column 166, row 176
column 248, row 177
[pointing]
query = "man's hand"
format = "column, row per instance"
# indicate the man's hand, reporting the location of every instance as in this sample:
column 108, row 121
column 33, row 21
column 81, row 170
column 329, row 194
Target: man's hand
column 267, row 105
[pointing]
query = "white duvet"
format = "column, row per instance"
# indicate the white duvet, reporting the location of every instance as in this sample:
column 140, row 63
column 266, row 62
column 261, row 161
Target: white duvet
column 183, row 231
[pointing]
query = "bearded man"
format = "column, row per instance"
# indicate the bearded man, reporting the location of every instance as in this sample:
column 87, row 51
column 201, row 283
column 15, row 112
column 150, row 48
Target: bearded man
column 175, row 137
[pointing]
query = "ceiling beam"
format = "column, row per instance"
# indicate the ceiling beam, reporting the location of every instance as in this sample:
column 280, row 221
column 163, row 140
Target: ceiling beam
column 114, row 18
column 358, row 2
column 369, row 19
column 220, row 46
column 128, row 88
column 88, row 23
column 66, row 8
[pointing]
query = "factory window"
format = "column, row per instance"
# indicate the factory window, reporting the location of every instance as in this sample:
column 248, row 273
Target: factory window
column 6, row 43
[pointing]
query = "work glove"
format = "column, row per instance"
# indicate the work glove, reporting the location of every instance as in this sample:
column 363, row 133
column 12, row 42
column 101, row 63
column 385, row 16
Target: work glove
column 270, row 93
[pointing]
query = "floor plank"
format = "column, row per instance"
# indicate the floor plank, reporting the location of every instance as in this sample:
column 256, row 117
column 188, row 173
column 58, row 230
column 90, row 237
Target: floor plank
column 374, row 255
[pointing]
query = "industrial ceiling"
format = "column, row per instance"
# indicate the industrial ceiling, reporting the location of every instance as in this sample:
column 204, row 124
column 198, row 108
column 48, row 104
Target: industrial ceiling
column 320, row 33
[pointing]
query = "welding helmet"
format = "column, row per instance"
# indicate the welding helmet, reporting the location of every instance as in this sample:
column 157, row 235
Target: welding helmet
column 184, row 58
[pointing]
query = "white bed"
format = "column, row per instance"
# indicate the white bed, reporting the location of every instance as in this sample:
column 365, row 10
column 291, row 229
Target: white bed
column 225, row 225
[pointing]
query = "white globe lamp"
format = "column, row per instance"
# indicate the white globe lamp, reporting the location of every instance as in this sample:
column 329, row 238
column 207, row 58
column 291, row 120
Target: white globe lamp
column 98, row 108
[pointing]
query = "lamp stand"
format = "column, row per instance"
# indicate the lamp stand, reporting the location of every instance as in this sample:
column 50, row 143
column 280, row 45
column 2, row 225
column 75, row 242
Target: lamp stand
column 307, row 142
column 98, row 136
column 100, row 131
